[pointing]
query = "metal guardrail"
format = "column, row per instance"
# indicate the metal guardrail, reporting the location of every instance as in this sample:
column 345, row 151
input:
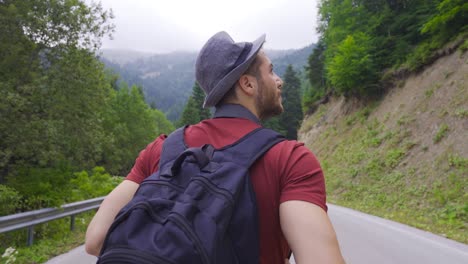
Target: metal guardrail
column 32, row 218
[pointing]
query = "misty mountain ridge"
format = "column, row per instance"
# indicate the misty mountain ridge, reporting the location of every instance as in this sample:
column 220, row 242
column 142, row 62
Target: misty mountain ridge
column 167, row 79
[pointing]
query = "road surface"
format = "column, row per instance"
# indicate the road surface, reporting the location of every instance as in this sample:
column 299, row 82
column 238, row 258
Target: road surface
column 364, row 239
column 369, row 239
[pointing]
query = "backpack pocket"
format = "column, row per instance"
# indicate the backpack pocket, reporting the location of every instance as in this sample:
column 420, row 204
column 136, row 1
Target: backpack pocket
column 125, row 255
column 151, row 231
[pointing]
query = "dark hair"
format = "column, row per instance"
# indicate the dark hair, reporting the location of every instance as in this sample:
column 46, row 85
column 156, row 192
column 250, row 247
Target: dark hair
column 252, row 70
column 254, row 67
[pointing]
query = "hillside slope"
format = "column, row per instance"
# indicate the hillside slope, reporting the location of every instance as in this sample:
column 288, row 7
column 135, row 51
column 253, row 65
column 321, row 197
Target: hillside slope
column 404, row 157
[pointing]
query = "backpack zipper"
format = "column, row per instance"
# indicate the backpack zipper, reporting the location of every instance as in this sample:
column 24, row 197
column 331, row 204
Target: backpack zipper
column 179, row 220
column 215, row 189
column 126, row 254
column 208, row 184
column 166, row 183
column 143, row 204
column 125, row 215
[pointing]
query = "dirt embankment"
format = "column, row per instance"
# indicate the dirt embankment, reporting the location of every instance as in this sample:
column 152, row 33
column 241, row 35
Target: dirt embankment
column 408, row 151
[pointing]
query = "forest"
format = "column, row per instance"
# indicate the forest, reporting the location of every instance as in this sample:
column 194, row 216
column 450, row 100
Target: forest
column 68, row 121
column 366, row 44
column 61, row 111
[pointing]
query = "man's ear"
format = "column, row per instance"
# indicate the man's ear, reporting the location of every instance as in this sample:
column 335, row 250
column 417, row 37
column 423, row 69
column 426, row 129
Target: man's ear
column 247, row 84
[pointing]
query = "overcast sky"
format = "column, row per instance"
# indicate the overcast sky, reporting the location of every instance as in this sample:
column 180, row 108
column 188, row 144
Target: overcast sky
column 167, row 25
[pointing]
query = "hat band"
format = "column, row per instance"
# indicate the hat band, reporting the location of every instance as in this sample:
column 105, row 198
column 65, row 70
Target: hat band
column 244, row 54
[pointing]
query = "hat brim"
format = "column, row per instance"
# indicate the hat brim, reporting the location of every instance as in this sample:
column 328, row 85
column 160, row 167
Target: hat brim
column 228, row 81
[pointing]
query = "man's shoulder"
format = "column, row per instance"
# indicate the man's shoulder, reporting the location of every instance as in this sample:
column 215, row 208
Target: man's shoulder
column 156, row 144
column 288, row 146
column 289, row 152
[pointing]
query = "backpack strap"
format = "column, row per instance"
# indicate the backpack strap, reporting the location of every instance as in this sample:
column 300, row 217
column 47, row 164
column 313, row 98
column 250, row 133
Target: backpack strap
column 249, row 148
column 253, row 145
column 257, row 142
column 173, row 146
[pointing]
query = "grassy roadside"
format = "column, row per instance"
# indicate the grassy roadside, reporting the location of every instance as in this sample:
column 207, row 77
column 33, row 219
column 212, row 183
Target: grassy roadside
column 370, row 166
column 54, row 238
column 61, row 240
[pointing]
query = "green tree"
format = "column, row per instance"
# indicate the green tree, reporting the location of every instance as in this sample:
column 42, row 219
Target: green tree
column 314, row 68
column 163, row 125
column 199, row 98
column 130, row 124
column 316, row 75
column 384, row 33
column 292, row 116
column 275, row 124
column 56, row 117
column 60, row 115
column 449, row 20
column 52, row 83
column 193, row 111
column 351, row 71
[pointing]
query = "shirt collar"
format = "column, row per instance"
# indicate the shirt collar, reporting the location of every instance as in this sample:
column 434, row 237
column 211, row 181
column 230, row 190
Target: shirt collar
column 235, row 110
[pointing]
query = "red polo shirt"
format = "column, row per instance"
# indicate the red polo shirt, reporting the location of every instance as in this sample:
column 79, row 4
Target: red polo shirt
column 288, row 171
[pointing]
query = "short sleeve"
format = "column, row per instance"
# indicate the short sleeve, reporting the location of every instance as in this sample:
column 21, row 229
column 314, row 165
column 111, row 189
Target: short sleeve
column 147, row 161
column 301, row 177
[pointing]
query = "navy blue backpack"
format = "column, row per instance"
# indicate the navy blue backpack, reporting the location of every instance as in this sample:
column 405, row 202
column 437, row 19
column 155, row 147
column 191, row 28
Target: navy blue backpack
column 198, row 208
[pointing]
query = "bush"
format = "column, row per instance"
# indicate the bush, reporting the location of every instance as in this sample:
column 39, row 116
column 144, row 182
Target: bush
column 312, row 95
column 464, row 47
column 35, row 188
column 41, row 187
column 9, row 200
column 86, row 186
column 422, row 55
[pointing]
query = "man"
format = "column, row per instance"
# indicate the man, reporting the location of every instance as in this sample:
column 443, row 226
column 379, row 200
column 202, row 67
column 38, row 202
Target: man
column 239, row 80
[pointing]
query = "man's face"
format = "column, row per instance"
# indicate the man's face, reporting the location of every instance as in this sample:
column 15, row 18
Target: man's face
column 268, row 97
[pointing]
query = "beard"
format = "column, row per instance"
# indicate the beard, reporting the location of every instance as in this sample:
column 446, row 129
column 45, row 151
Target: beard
column 267, row 102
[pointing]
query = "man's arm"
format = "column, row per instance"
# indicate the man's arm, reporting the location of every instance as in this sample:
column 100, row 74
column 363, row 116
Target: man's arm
column 102, row 220
column 309, row 233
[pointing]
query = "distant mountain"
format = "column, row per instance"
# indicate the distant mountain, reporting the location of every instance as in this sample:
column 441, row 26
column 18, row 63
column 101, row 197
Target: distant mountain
column 167, row 79
column 122, row 57
column 297, row 58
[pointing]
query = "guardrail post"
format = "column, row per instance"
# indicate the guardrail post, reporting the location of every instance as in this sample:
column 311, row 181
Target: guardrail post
column 72, row 222
column 30, row 235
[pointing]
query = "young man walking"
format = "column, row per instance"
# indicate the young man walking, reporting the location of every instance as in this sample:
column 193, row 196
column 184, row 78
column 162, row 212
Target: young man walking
column 240, row 82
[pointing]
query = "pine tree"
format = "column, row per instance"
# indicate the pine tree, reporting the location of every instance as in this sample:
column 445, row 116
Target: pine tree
column 316, row 76
column 199, row 97
column 194, row 111
column 190, row 115
column 275, row 124
column 292, row 116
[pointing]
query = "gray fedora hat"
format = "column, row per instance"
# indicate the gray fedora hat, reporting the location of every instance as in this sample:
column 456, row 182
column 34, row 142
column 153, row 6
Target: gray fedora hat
column 221, row 62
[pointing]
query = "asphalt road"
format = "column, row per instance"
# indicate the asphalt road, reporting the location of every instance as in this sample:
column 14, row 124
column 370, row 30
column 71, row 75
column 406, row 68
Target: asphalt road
column 364, row 239
column 367, row 239
column 75, row 256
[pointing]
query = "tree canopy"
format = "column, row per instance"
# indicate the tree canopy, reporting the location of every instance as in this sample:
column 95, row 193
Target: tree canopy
column 361, row 40
column 292, row 116
column 193, row 110
column 61, row 111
